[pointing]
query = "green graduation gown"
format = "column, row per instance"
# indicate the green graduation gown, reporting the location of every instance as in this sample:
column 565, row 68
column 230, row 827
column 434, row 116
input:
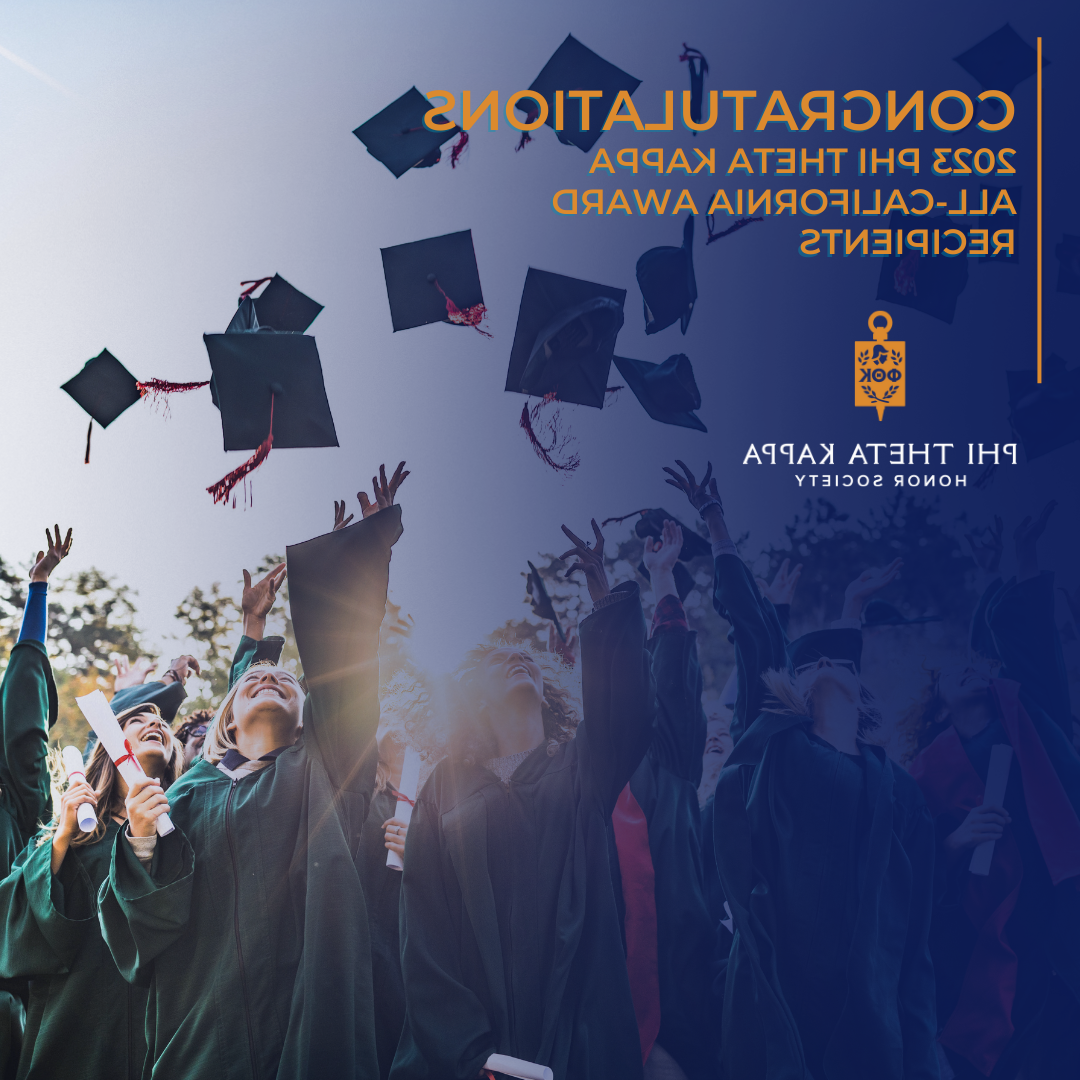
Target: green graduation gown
column 251, row 926
column 510, row 935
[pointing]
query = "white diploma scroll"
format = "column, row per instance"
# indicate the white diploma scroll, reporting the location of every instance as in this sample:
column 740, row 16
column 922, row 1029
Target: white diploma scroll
column 410, row 781
column 997, row 776
column 95, row 707
column 73, row 769
column 512, row 1066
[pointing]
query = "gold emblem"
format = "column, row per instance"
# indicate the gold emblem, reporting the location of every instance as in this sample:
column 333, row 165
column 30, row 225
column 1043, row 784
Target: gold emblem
column 879, row 367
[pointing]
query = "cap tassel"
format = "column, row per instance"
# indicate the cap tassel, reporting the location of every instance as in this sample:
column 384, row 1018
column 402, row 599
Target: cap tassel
column 471, row 316
column 614, row 390
column 89, row 432
column 157, row 391
column 457, row 148
column 698, row 72
column 741, row 223
column 558, row 442
column 252, row 286
column 904, row 274
column 223, row 488
column 620, row 520
column 531, row 113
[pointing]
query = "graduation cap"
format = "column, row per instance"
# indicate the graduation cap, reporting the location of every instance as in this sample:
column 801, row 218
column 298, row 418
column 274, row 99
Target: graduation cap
column 665, row 276
column 1015, row 194
column 434, row 280
column 1046, row 415
column 699, row 68
column 104, row 388
column 271, row 393
column 833, row 643
column 398, row 138
column 575, row 67
column 1000, row 61
column 667, row 391
column 880, row 612
column 541, row 602
column 280, row 306
column 930, row 285
column 1068, row 256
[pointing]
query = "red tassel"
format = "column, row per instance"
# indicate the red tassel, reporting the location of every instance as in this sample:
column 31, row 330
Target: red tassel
column 471, row 316
column 223, row 488
column 158, row 390
column 457, row 148
column 252, row 286
column 89, row 432
column 741, row 223
column 558, row 443
column 694, row 54
column 526, row 137
column 904, row 274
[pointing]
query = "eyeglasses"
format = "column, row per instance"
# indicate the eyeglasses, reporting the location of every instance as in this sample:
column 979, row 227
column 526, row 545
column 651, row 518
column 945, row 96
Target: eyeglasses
column 849, row 665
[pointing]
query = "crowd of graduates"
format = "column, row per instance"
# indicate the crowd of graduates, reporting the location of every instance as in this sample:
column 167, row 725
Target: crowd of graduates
column 562, row 895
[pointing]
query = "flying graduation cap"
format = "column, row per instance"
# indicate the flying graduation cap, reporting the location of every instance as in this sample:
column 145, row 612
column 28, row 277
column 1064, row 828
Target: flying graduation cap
column 1068, row 256
column 667, row 391
column 399, row 139
column 562, row 350
column 1046, row 415
column 575, row 67
column 650, row 524
column 930, row 285
column 280, row 306
column 1000, row 61
column 665, row 276
column 104, row 388
column 434, row 280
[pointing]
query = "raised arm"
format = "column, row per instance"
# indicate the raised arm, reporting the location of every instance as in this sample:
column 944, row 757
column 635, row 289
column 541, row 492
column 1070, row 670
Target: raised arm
column 256, row 603
column 28, row 703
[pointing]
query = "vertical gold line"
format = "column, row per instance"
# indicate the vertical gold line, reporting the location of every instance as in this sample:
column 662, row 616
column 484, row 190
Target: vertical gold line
column 1038, row 211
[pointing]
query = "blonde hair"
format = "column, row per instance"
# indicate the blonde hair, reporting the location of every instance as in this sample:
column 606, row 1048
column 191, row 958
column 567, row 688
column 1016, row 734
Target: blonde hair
column 785, row 697
column 103, row 776
column 220, row 735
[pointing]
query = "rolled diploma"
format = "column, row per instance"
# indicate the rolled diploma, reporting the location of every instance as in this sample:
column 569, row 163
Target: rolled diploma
column 73, row 768
column 512, row 1066
column 95, row 707
column 410, row 779
column 997, row 777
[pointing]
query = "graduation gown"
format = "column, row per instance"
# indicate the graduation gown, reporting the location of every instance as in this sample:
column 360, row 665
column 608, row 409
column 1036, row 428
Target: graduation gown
column 664, row 786
column 250, row 927
column 511, row 938
column 382, row 893
column 83, row 1019
column 826, row 860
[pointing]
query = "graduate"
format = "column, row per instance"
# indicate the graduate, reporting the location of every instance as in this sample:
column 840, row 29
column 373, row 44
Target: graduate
column 248, row 921
column 83, row 1019
column 28, row 708
column 659, row 884
column 824, row 850
column 1006, row 945
column 511, row 937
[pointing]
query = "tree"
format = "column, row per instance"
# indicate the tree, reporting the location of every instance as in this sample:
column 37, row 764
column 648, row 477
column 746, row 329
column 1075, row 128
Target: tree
column 211, row 620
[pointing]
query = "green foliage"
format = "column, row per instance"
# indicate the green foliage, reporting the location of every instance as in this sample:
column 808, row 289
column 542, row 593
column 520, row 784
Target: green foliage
column 212, row 621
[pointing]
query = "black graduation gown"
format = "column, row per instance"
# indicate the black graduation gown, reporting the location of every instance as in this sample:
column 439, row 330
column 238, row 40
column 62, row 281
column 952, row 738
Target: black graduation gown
column 511, row 939
column 382, row 893
column 826, row 860
column 665, row 787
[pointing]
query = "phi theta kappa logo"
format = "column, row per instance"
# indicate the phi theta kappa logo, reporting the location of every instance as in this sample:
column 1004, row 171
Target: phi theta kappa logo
column 879, row 367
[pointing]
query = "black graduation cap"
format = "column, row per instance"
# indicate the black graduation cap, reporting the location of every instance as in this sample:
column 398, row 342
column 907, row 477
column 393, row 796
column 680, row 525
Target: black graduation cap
column 398, row 138
column 683, row 581
column 1015, row 193
column 104, row 388
column 667, row 391
column 282, row 306
column 880, row 612
column 434, row 280
column 1068, row 256
column 930, row 285
column 541, row 602
column 271, row 394
column 1045, row 415
column 1000, row 61
column 835, row 643
column 565, row 338
column 668, row 287
column 575, row 67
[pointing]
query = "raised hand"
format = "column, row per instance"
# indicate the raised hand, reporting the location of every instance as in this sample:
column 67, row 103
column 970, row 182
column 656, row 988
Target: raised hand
column 128, row 675
column 660, row 558
column 781, row 590
column 145, row 803
column 986, row 546
column 258, row 600
column 865, row 585
column 590, row 560
column 340, row 520
column 47, row 561
column 1026, row 537
column 183, row 666
column 698, row 494
column 384, row 491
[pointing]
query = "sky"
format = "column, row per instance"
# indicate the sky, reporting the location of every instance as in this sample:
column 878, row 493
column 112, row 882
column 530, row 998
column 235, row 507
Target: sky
column 152, row 156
